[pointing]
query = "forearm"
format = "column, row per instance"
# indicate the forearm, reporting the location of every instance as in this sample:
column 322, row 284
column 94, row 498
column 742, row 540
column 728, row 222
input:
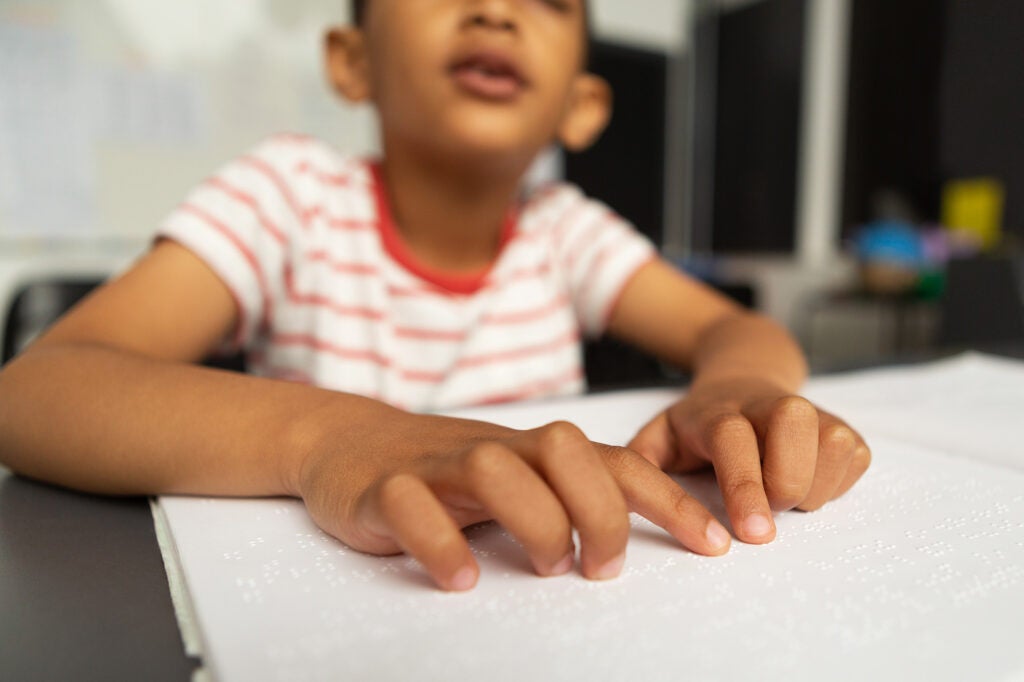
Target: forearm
column 749, row 346
column 106, row 421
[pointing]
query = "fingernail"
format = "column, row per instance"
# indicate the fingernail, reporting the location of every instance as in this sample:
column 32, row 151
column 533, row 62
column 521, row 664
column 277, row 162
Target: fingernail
column 463, row 580
column 611, row 569
column 563, row 566
column 757, row 525
column 717, row 535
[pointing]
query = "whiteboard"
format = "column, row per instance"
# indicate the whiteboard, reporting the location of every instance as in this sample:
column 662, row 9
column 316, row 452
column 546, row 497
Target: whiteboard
column 111, row 110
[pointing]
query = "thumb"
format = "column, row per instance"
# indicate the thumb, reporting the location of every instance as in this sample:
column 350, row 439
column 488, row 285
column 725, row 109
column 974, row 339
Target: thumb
column 656, row 442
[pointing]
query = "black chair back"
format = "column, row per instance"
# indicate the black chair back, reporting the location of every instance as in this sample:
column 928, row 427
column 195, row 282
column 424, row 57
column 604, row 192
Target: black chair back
column 983, row 303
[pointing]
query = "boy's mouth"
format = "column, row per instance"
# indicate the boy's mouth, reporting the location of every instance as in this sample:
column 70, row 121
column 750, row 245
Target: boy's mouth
column 488, row 75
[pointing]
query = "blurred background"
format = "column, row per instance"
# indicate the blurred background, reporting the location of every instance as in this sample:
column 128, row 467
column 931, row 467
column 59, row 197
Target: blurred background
column 854, row 168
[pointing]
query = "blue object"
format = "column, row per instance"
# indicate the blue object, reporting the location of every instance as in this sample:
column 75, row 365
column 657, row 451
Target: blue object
column 891, row 242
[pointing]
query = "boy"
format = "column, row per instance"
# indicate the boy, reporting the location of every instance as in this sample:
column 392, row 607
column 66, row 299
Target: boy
column 423, row 281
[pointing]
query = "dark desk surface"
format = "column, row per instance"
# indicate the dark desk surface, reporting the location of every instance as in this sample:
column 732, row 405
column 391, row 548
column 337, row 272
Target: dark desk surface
column 83, row 594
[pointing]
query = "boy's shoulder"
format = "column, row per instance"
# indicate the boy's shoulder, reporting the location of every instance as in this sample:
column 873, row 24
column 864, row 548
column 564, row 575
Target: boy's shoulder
column 561, row 205
column 297, row 157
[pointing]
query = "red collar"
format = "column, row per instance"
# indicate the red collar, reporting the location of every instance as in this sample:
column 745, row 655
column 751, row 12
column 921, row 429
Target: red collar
column 396, row 247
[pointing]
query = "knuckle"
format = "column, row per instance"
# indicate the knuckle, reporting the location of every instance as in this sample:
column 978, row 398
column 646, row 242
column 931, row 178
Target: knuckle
column 786, row 493
column 724, row 429
column 838, row 437
column 620, row 460
column 795, row 408
column 394, row 491
column 682, row 503
column 484, row 462
column 558, row 435
column 743, row 486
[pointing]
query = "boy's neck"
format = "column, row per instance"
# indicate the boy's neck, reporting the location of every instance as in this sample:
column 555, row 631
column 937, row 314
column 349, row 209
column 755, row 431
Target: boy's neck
column 449, row 217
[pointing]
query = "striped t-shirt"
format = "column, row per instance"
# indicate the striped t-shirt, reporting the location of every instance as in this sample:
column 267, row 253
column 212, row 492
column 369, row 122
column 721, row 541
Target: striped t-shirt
column 328, row 293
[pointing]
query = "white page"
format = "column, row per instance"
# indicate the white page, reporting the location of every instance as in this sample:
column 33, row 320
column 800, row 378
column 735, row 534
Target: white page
column 971, row 405
column 917, row 573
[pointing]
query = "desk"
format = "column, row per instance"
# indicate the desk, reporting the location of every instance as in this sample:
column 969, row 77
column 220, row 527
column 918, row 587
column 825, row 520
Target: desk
column 83, row 594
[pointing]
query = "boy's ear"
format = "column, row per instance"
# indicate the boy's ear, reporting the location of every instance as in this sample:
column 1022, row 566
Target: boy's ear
column 590, row 109
column 347, row 63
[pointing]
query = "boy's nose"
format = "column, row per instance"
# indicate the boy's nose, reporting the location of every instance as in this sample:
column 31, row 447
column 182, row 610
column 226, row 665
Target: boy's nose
column 492, row 14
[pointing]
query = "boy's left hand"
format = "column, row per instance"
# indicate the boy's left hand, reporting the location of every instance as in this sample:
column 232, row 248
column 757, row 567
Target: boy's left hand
column 770, row 450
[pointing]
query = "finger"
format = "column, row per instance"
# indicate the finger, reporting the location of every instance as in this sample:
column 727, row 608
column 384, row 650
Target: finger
column 789, row 431
column 577, row 474
column 860, row 463
column 731, row 446
column 518, row 499
column 655, row 496
column 421, row 526
column 836, row 445
column 656, row 442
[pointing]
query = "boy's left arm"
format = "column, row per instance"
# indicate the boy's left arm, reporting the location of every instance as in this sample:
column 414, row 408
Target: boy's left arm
column 770, row 449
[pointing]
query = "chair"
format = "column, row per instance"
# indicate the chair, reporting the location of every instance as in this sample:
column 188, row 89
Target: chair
column 34, row 307
column 37, row 305
column 982, row 304
column 611, row 364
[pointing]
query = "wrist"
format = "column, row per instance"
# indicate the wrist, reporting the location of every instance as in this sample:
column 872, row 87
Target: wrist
column 750, row 348
column 339, row 426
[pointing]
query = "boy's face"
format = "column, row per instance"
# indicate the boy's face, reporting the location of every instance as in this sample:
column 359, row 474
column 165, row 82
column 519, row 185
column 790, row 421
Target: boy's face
column 498, row 77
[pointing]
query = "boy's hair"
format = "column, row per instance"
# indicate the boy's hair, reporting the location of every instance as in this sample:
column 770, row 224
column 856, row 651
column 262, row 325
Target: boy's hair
column 359, row 14
column 358, row 11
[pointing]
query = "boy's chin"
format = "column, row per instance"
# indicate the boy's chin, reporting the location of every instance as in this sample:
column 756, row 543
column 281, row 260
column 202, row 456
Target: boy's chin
column 494, row 144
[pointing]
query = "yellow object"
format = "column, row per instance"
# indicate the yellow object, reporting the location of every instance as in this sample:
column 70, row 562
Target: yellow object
column 975, row 206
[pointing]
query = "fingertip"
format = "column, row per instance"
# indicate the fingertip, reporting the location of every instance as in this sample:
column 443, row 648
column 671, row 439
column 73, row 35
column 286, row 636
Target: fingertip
column 563, row 566
column 757, row 529
column 462, row 580
column 608, row 570
column 718, row 538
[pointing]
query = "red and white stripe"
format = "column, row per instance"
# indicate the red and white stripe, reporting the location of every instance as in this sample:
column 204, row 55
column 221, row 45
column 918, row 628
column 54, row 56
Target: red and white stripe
column 328, row 293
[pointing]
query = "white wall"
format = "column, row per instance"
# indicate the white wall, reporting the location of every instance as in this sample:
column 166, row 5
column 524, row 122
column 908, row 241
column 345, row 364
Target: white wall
column 657, row 24
column 121, row 106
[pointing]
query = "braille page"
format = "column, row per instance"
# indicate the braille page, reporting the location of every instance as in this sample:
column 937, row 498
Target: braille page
column 970, row 405
column 918, row 573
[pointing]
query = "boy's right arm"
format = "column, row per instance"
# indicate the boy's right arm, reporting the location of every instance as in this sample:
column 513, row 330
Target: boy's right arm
column 106, row 401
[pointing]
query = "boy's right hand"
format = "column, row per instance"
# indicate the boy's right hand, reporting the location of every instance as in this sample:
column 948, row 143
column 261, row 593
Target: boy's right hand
column 432, row 476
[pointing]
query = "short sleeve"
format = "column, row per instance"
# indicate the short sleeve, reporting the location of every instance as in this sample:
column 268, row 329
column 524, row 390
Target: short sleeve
column 598, row 252
column 240, row 222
